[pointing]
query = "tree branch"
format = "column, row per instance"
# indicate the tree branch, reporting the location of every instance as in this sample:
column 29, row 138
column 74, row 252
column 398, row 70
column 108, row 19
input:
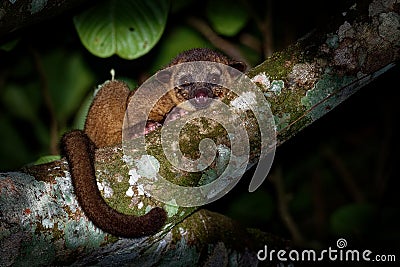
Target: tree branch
column 225, row 46
column 302, row 83
column 15, row 15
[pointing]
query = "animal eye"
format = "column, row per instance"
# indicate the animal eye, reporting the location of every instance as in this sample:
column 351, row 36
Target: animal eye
column 182, row 91
column 213, row 78
column 185, row 79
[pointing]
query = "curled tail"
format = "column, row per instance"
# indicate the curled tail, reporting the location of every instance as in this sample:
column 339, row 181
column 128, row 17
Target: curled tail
column 79, row 151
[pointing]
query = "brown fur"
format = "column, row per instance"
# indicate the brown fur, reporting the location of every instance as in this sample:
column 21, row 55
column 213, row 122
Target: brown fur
column 106, row 114
column 103, row 128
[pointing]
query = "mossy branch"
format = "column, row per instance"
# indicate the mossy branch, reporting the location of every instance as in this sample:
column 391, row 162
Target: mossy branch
column 38, row 211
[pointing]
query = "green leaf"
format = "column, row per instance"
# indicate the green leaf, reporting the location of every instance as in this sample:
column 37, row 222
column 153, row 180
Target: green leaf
column 178, row 39
column 352, row 219
column 46, row 159
column 8, row 46
column 227, row 17
column 127, row 28
column 21, row 101
column 80, row 117
column 68, row 79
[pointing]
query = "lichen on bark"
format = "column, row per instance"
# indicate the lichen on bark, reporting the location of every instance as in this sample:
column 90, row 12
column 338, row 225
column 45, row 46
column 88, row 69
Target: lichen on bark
column 301, row 83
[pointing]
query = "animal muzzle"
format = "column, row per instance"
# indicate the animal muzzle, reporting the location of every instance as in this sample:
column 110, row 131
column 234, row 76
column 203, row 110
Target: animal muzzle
column 201, row 97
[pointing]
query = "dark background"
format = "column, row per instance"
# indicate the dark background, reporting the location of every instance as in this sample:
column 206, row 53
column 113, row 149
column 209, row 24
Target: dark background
column 339, row 174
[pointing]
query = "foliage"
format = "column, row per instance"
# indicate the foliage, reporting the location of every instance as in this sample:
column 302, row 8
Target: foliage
column 227, row 23
column 128, row 28
column 48, row 77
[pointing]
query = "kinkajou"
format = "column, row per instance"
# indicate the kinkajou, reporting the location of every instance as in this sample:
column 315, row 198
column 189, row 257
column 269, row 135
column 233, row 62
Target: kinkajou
column 103, row 128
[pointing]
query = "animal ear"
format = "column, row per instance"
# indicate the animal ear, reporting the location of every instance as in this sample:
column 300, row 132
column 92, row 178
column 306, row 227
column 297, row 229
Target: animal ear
column 164, row 76
column 239, row 65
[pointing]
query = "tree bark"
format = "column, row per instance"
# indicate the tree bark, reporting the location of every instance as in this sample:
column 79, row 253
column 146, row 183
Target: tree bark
column 16, row 14
column 41, row 222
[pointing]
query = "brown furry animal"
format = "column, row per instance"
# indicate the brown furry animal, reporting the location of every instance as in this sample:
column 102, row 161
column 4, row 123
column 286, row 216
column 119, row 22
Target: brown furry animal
column 103, row 128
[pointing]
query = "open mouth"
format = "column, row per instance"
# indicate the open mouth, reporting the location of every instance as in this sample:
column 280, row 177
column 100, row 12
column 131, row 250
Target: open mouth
column 201, row 97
